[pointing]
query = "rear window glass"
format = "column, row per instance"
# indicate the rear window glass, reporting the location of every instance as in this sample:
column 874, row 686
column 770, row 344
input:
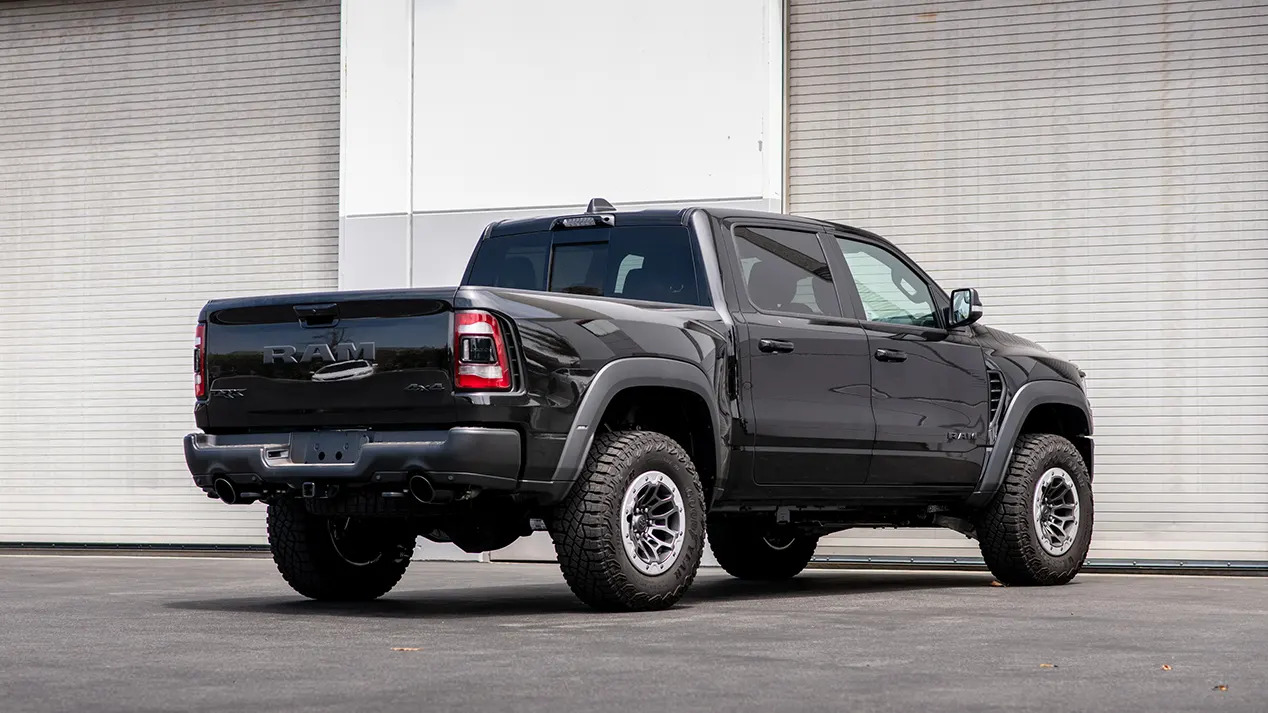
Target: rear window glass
column 636, row 262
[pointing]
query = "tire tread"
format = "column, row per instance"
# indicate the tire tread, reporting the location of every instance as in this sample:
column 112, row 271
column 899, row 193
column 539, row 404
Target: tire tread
column 744, row 554
column 586, row 544
column 1004, row 530
column 309, row 563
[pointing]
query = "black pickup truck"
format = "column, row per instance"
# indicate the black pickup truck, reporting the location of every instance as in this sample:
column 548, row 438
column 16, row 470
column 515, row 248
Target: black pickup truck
column 629, row 381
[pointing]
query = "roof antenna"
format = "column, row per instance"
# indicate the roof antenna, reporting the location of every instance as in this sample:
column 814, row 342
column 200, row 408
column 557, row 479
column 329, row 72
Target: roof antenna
column 599, row 205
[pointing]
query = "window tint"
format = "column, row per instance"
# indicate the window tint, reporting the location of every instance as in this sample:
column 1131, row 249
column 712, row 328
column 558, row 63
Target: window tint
column 579, row 269
column 889, row 290
column 636, row 262
column 517, row 261
column 786, row 271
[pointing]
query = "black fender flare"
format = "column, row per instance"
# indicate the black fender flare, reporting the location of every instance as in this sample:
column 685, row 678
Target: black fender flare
column 621, row 374
column 1027, row 398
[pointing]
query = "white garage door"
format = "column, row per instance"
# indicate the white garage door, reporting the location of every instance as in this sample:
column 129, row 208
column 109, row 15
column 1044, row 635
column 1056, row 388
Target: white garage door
column 152, row 155
column 1100, row 171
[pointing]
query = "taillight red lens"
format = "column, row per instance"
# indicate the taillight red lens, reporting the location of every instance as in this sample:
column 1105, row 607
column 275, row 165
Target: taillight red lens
column 200, row 362
column 479, row 353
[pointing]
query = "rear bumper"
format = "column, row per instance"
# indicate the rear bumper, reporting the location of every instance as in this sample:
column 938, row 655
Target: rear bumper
column 484, row 457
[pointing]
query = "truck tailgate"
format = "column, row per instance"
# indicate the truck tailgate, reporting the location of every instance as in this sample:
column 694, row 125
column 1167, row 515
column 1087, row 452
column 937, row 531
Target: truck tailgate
column 338, row 359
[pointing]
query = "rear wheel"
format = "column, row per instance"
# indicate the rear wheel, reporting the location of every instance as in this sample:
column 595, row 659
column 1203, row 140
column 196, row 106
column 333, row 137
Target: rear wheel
column 747, row 550
column 1038, row 528
column 333, row 558
column 630, row 534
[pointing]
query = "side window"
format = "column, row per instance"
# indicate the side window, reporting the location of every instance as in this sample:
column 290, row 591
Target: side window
column 889, row 290
column 786, row 271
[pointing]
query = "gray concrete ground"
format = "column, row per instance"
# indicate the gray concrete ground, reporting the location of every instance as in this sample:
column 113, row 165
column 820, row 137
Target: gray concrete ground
column 202, row 634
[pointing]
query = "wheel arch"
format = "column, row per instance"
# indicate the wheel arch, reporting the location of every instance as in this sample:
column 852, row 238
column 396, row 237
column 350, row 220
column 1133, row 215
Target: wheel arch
column 1056, row 407
column 645, row 388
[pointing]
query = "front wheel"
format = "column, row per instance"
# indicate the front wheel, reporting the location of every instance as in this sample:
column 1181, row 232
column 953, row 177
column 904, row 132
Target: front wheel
column 1038, row 527
column 337, row 558
column 630, row 534
column 750, row 551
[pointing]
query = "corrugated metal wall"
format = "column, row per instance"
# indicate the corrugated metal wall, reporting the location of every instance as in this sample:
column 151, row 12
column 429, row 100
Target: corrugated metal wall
column 1100, row 171
column 152, row 155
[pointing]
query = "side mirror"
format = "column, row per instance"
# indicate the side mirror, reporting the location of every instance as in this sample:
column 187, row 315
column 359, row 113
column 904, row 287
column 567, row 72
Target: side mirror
column 966, row 307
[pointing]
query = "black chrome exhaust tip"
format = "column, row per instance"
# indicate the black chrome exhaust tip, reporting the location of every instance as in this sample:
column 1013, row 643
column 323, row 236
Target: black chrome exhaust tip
column 226, row 491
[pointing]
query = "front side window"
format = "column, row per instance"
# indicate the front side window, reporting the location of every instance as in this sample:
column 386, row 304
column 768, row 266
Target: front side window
column 786, row 271
column 654, row 263
column 889, row 290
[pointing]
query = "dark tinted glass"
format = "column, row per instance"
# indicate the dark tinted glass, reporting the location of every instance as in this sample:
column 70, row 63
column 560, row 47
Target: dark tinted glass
column 786, row 271
column 517, row 261
column 638, row 263
column 579, row 269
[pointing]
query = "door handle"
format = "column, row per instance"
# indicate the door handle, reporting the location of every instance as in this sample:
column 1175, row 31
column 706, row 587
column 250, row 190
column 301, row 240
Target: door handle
column 890, row 355
column 775, row 346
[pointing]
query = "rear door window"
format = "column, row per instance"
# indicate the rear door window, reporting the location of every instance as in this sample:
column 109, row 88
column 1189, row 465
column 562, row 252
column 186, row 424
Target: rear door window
column 654, row 263
column 786, row 271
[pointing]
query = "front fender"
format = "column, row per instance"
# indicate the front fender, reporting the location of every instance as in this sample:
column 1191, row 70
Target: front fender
column 1027, row 398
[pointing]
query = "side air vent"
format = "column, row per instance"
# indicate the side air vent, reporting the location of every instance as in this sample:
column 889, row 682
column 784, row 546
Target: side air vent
column 995, row 383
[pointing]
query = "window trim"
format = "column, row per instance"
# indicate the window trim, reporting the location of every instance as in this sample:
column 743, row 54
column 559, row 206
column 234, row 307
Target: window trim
column 936, row 295
column 704, row 295
column 742, row 285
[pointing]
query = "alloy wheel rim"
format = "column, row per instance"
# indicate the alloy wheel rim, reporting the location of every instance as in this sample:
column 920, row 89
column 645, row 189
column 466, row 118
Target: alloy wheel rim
column 1056, row 511
column 653, row 522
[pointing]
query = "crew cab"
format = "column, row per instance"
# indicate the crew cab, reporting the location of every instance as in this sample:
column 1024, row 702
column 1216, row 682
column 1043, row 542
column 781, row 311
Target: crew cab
column 629, row 381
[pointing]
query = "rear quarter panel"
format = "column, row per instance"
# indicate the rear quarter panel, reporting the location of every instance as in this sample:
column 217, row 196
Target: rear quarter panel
column 563, row 341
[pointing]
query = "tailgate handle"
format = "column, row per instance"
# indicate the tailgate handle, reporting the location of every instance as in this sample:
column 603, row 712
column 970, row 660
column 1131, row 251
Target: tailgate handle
column 318, row 315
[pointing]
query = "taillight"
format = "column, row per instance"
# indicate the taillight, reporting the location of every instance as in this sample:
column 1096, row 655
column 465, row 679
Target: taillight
column 200, row 362
column 479, row 353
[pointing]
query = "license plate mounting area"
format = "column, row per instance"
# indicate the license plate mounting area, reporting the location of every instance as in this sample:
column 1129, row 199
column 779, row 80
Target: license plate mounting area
column 327, row 447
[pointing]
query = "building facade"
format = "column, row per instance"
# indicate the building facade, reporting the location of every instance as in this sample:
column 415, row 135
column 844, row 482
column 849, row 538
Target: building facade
column 1099, row 171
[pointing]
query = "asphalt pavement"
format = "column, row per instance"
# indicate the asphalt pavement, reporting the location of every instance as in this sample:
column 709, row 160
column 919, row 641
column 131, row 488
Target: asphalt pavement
column 81, row 633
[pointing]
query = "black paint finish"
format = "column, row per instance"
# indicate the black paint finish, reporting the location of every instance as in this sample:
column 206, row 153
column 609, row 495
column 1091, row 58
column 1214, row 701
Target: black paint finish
column 254, row 385
column 834, row 412
column 811, row 410
column 930, row 408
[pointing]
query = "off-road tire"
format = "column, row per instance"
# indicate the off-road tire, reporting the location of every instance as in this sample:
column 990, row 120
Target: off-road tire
column 742, row 549
column 586, row 526
column 305, row 553
column 1005, row 529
